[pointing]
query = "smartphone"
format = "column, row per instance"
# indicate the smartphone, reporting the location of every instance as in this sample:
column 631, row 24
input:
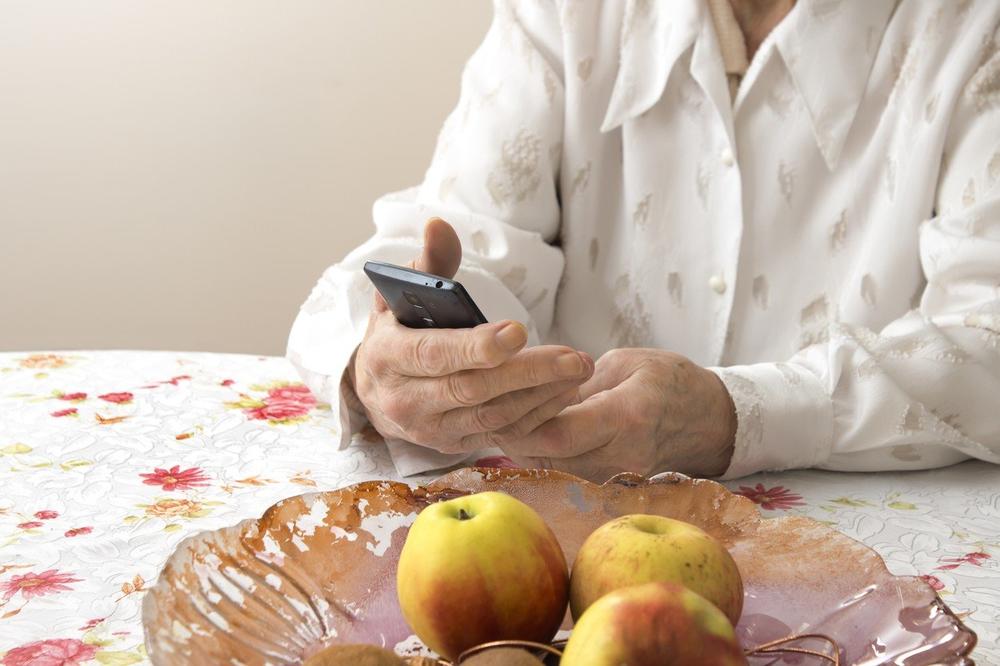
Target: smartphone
column 422, row 300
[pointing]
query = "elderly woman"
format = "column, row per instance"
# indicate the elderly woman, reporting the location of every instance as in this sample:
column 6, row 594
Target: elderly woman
column 774, row 225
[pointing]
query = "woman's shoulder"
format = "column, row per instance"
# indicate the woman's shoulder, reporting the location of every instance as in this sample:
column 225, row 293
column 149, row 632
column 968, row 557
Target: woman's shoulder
column 571, row 30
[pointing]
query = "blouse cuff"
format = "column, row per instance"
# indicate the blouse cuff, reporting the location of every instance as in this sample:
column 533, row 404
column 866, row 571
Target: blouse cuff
column 784, row 417
column 322, row 344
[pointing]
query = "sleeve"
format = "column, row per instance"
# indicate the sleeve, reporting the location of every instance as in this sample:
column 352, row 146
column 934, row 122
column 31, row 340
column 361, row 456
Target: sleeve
column 923, row 392
column 494, row 177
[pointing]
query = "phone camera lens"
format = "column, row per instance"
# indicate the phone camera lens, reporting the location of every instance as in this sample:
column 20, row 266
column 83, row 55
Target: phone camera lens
column 439, row 283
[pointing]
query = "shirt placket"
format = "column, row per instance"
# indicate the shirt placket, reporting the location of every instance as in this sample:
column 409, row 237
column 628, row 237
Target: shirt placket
column 726, row 208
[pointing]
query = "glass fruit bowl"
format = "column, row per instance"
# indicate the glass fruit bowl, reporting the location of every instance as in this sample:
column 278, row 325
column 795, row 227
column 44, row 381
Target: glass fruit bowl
column 319, row 569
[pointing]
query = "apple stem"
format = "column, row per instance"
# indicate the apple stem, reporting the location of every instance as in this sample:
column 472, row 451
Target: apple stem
column 462, row 515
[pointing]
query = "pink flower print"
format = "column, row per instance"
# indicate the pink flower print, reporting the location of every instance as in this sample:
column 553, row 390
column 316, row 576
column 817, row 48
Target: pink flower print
column 777, row 497
column 92, row 623
column 175, row 478
column 77, row 531
column 933, row 581
column 51, row 652
column 277, row 411
column 64, row 412
column 174, row 381
column 119, row 398
column 283, row 403
column 975, row 559
column 29, row 525
column 294, row 393
column 73, row 397
column 37, row 584
column 46, row 514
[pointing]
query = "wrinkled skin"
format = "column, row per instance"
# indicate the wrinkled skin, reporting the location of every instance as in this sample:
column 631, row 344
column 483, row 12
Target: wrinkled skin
column 644, row 411
column 456, row 390
column 635, row 410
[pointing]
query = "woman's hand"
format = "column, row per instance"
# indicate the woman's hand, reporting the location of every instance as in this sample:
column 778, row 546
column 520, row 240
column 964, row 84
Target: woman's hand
column 456, row 390
column 644, row 411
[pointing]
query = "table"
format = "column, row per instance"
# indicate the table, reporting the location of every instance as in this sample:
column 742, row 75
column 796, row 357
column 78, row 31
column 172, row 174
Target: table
column 109, row 459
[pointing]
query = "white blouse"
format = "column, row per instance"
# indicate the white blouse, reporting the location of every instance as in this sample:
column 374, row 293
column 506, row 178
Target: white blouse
column 829, row 241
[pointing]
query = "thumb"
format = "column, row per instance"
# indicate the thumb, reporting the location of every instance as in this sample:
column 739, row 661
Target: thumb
column 442, row 252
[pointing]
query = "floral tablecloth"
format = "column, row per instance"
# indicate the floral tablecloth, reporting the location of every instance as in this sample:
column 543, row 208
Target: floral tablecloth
column 109, row 459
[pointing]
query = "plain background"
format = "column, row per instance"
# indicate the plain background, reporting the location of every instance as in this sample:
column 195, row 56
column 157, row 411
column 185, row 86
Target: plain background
column 176, row 175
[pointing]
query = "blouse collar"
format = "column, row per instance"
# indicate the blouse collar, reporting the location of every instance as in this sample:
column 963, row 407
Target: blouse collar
column 828, row 47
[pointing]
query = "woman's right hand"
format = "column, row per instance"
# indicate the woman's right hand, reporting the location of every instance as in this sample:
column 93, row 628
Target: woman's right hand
column 458, row 390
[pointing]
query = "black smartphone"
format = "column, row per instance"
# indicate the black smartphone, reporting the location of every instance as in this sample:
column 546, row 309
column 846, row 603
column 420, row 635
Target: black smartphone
column 422, row 300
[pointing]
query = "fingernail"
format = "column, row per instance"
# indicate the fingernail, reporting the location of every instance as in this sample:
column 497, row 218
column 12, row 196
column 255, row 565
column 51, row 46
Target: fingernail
column 569, row 364
column 512, row 337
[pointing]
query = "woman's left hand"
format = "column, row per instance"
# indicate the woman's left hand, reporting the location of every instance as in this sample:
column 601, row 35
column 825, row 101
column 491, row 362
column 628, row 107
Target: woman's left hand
column 645, row 411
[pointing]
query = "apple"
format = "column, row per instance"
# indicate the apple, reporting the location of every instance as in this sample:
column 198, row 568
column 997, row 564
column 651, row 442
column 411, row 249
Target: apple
column 481, row 568
column 655, row 624
column 640, row 548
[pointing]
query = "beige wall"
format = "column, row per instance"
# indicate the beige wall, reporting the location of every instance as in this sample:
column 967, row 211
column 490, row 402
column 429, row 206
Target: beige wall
column 176, row 174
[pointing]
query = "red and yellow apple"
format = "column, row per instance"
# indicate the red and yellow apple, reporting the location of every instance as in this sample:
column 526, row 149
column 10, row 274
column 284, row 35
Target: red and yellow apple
column 481, row 568
column 640, row 548
column 655, row 624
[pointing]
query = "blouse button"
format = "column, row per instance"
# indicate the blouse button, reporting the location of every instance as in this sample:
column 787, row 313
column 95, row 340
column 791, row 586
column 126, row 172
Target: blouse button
column 727, row 158
column 717, row 283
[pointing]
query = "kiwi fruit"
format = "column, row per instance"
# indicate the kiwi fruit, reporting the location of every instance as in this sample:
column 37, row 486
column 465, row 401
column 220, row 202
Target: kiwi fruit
column 354, row 655
column 503, row 657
